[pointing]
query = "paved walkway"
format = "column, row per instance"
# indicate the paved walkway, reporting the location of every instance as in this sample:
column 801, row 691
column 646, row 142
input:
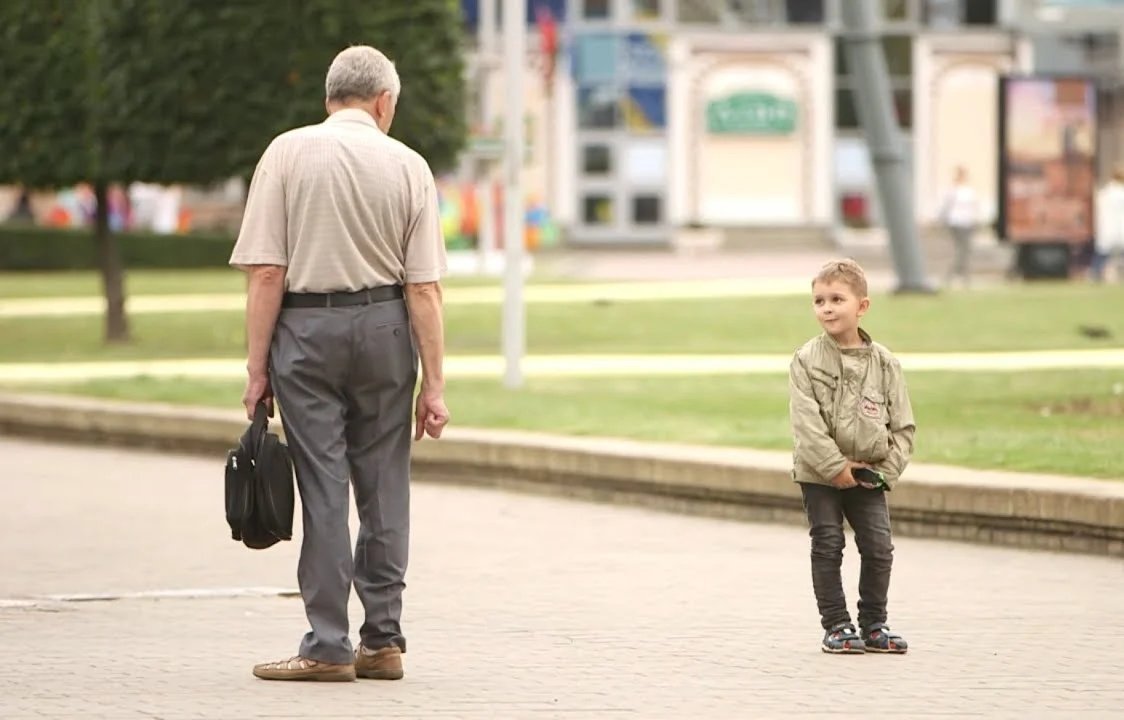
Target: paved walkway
column 517, row 607
column 492, row 366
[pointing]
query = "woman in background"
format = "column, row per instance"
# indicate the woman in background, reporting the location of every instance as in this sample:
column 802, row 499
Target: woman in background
column 1109, row 241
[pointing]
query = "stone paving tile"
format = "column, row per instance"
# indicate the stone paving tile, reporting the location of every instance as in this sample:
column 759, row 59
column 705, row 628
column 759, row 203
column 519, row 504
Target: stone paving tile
column 522, row 607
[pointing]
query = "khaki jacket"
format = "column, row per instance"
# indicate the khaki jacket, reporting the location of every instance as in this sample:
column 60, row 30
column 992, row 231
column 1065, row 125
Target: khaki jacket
column 858, row 410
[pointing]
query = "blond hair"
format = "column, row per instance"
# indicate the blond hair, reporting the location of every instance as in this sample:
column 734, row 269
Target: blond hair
column 845, row 271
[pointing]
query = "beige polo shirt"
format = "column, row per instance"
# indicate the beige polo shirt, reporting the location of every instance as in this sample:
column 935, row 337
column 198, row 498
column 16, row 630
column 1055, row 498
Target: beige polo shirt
column 343, row 207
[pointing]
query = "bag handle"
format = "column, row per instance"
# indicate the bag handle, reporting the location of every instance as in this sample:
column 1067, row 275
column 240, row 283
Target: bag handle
column 259, row 426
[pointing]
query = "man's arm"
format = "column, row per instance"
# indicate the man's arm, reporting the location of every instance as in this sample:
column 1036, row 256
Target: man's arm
column 812, row 443
column 425, row 262
column 427, row 325
column 902, row 425
column 263, row 304
column 261, row 252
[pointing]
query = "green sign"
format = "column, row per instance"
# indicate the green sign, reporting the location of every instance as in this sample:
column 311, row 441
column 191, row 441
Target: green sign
column 486, row 146
column 751, row 113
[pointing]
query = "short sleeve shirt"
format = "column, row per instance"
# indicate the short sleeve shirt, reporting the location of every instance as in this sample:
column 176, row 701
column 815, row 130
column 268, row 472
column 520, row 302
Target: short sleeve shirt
column 343, row 207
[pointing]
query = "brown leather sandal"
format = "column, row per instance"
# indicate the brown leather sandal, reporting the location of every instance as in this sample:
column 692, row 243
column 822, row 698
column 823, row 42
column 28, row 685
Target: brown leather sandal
column 382, row 664
column 300, row 668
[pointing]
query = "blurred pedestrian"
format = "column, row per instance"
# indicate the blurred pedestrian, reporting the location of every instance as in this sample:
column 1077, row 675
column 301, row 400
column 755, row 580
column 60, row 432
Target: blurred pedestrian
column 1108, row 242
column 960, row 214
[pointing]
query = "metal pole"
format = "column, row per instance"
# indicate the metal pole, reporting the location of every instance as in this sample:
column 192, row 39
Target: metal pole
column 486, row 231
column 875, row 107
column 514, row 58
column 486, row 30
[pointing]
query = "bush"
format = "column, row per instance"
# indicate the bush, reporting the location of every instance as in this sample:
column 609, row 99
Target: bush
column 24, row 247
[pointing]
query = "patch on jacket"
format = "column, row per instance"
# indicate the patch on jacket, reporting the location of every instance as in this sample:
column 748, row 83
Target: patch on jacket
column 871, row 409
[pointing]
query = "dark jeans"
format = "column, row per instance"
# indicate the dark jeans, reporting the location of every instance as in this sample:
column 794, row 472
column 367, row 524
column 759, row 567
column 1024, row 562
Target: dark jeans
column 868, row 515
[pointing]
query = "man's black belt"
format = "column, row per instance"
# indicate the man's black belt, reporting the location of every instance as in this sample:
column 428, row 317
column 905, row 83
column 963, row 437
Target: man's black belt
column 342, row 299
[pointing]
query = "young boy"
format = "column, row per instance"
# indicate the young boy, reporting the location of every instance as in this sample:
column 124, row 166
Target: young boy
column 852, row 428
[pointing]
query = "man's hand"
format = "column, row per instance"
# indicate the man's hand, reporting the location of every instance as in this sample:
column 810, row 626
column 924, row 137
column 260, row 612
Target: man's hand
column 432, row 415
column 845, row 480
column 257, row 390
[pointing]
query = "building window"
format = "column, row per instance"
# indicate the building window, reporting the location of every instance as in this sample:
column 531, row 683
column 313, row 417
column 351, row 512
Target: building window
column 752, row 12
column 903, row 107
column 646, row 209
column 597, row 160
column 897, row 48
column 942, row 13
column 597, row 209
column 596, row 58
column 644, row 162
column 899, row 62
column 599, row 107
column 696, row 11
column 896, row 10
column 596, row 9
column 981, row 12
column 646, row 9
column 645, row 109
column 847, row 116
column 804, row 12
column 954, row 13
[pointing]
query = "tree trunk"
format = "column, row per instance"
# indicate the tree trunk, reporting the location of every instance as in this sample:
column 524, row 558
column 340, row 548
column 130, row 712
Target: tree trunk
column 112, row 274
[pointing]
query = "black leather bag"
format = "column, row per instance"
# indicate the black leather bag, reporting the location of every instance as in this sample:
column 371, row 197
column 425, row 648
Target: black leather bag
column 259, row 486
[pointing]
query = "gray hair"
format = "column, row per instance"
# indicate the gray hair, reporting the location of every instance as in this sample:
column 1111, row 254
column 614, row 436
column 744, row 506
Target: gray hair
column 361, row 72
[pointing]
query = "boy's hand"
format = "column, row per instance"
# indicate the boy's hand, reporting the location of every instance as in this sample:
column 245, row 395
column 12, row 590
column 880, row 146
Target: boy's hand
column 844, row 479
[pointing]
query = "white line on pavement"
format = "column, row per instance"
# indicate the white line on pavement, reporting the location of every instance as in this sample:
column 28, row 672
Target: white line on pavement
column 171, row 594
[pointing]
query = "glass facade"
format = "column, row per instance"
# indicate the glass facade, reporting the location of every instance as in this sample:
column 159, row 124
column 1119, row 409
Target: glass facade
column 618, row 59
column 620, row 84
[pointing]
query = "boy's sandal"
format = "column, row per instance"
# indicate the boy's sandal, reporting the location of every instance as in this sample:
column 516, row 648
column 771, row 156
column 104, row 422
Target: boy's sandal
column 879, row 638
column 843, row 639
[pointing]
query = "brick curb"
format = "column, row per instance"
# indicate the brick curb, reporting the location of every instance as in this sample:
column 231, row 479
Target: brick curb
column 1031, row 511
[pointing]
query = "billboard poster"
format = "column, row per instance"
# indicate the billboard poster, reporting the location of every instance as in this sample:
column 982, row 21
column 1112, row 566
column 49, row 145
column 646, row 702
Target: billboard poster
column 645, row 106
column 1047, row 158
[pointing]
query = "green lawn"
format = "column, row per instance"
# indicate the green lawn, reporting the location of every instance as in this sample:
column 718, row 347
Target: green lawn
column 143, row 282
column 138, row 282
column 1015, row 318
column 1063, row 422
column 1066, row 421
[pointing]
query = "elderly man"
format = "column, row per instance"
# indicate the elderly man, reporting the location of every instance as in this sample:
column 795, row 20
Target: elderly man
column 342, row 242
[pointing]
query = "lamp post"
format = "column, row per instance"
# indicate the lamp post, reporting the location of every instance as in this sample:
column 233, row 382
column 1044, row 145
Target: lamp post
column 867, row 63
column 514, row 60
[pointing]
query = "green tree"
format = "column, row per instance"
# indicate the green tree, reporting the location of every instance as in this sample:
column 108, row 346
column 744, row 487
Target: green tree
column 422, row 37
column 191, row 92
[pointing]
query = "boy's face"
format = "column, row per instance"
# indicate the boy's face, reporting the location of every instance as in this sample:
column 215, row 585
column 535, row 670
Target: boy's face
column 839, row 309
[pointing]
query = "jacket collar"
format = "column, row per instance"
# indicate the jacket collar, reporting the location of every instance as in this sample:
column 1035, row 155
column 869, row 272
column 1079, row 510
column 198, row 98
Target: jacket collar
column 863, row 335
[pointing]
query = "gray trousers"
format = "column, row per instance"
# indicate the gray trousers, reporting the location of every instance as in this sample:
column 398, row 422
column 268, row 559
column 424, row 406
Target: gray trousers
column 868, row 515
column 962, row 252
column 344, row 382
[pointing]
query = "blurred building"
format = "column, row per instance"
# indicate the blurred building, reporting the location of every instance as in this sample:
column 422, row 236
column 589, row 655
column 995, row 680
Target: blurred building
column 739, row 114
